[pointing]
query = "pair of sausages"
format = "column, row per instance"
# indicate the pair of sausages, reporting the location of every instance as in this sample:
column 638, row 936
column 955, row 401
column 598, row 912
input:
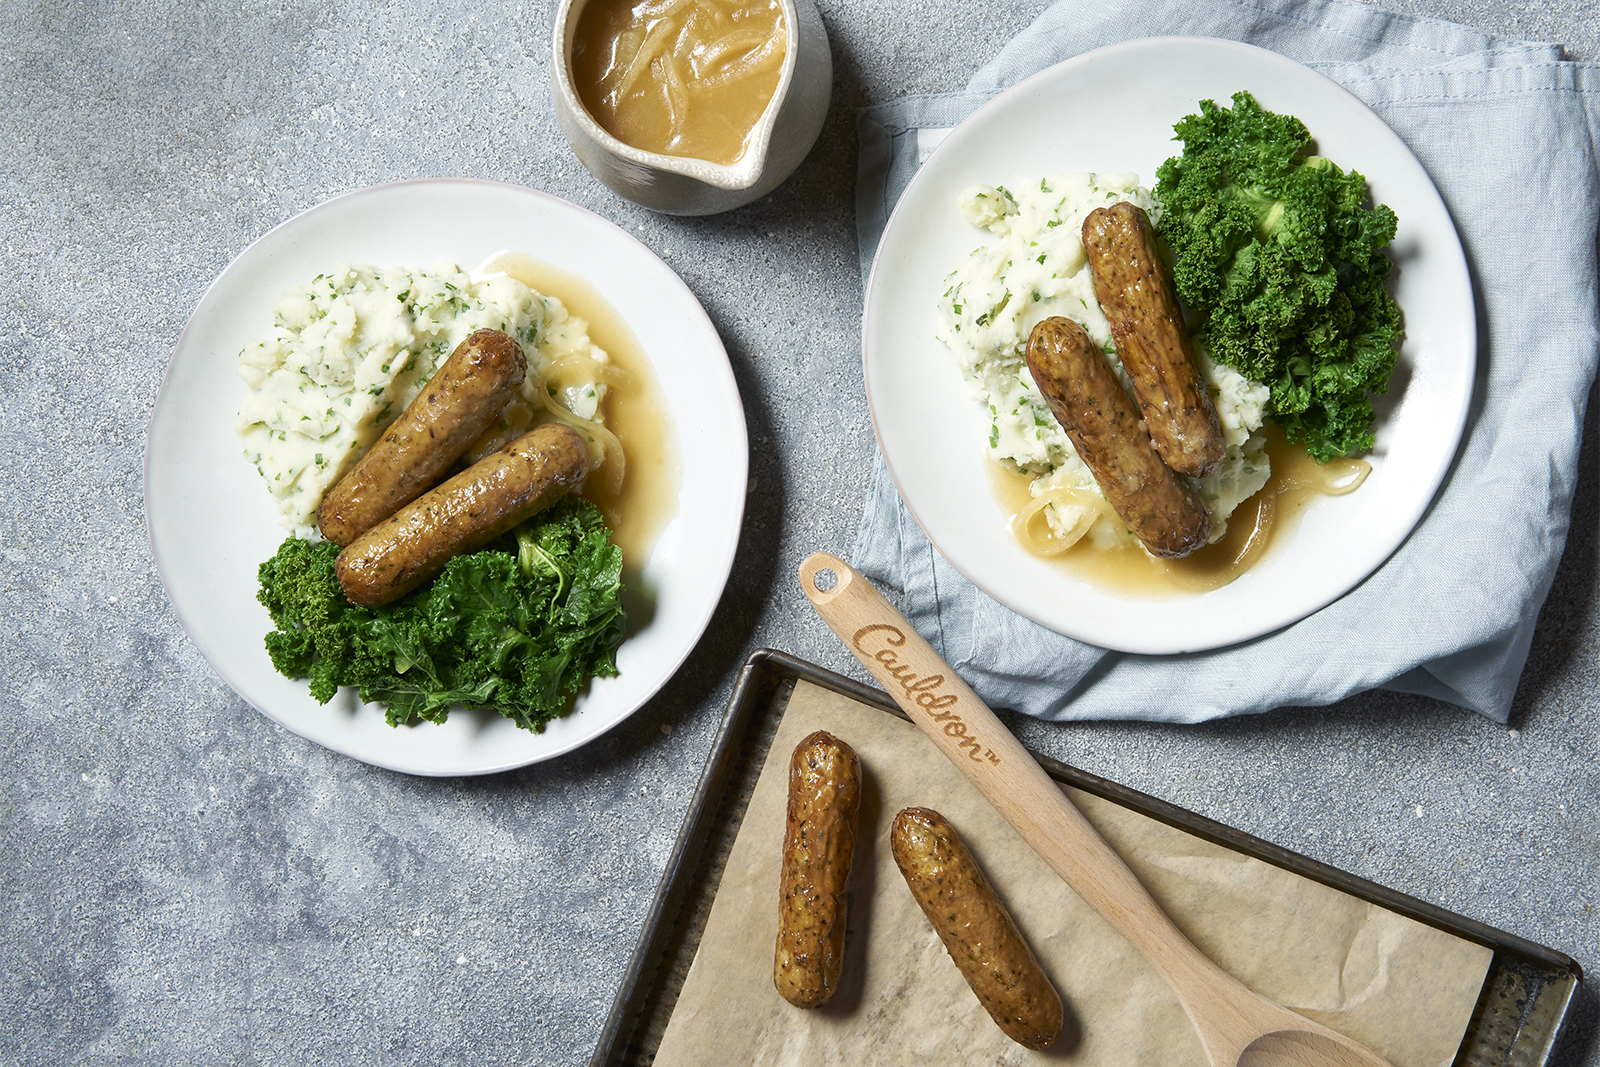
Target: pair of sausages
column 945, row 880
column 398, row 527
column 458, row 404
column 1136, row 453
column 465, row 513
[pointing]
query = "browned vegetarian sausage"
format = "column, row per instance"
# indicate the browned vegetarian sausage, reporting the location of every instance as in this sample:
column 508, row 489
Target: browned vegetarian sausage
column 513, row 420
column 463, row 514
column 1135, row 291
column 457, row 405
column 819, row 840
column 1161, row 509
column 975, row 927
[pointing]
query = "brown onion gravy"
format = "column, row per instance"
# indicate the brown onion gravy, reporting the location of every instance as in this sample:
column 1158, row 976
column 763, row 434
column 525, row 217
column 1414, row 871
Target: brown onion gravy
column 681, row 77
column 633, row 407
column 1125, row 566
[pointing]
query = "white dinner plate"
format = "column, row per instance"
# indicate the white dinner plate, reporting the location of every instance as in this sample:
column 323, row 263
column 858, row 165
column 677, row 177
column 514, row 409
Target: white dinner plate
column 1113, row 110
column 211, row 524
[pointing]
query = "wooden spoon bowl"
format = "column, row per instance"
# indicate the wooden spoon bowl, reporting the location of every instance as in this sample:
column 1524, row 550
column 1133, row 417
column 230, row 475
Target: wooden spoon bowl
column 1237, row 1027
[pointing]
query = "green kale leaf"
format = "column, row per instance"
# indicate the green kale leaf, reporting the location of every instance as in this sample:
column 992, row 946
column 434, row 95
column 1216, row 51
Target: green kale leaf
column 520, row 626
column 1281, row 255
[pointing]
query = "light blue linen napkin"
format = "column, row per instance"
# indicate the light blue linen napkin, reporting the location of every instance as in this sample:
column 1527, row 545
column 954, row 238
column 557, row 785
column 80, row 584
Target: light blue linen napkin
column 1508, row 130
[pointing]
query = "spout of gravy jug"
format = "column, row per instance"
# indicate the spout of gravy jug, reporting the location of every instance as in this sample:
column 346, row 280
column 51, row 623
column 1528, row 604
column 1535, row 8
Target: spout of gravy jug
column 684, row 185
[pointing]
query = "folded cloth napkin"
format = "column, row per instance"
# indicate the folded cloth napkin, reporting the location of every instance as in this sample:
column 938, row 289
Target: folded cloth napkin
column 1508, row 130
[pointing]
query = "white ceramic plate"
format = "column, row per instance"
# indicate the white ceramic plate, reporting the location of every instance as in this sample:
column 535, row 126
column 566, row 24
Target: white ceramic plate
column 211, row 525
column 1113, row 110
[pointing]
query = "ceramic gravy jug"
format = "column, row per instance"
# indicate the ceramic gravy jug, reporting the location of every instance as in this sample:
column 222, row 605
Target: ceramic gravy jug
column 682, row 185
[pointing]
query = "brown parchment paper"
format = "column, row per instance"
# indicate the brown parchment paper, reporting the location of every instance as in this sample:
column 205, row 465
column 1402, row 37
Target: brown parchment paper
column 1405, row 989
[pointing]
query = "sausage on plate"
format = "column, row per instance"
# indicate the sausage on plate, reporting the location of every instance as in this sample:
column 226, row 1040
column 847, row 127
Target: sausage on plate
column 976, row 928
column 513, row 420
column 1162, row 510
column 819, row 841
column 463, row 514
column 1136, row 294
column 459, row 402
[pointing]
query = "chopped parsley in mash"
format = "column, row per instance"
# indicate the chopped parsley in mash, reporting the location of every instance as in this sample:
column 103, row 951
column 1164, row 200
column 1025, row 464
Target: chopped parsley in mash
column 1037, row 269
column 351, row 348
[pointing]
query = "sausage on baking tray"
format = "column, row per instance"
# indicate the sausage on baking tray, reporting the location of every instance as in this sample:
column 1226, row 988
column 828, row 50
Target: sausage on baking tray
column 463, row 514
column 819, row 840
column 457, row 405
column 1161, row 509
column 1135, row 292
column 975, row 927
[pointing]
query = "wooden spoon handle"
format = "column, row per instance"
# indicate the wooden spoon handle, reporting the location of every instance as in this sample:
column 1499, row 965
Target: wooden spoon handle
column 996, row 763
column 1228, row 1017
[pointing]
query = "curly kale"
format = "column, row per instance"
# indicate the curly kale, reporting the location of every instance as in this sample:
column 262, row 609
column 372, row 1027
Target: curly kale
column 1281, row 254
column 519, row 626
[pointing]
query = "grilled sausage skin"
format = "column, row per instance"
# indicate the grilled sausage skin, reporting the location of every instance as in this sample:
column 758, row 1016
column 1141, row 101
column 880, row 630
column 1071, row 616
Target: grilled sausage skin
column 457, row 405
column 463, row 514
column 1135, row 292
column 976, row 928
column 818, row 845
column 1162, row 510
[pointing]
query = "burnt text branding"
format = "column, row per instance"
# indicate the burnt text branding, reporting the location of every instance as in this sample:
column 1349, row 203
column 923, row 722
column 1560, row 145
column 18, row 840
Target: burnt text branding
column 924, row 692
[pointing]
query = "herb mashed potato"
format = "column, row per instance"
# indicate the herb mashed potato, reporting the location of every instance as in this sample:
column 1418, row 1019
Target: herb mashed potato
column 1037, row 269
column 351, row 348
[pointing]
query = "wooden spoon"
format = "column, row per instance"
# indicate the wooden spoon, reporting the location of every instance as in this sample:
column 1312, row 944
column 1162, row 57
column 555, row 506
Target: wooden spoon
column 1237, row 1027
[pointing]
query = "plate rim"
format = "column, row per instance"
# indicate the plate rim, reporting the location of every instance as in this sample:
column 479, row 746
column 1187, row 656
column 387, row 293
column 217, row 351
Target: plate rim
column 1454, row 419
column 723, row 549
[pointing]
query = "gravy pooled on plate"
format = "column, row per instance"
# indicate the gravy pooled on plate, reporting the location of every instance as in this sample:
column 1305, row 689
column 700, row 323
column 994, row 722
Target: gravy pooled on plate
column 681, row 77
column 1112, row 558
column 639, row 506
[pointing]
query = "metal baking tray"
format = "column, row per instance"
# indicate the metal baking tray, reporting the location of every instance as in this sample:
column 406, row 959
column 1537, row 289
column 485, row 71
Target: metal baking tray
column 1519, row 1012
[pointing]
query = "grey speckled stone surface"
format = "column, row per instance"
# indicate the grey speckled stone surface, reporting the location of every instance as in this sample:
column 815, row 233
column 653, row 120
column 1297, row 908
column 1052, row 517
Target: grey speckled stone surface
column 186, row 883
